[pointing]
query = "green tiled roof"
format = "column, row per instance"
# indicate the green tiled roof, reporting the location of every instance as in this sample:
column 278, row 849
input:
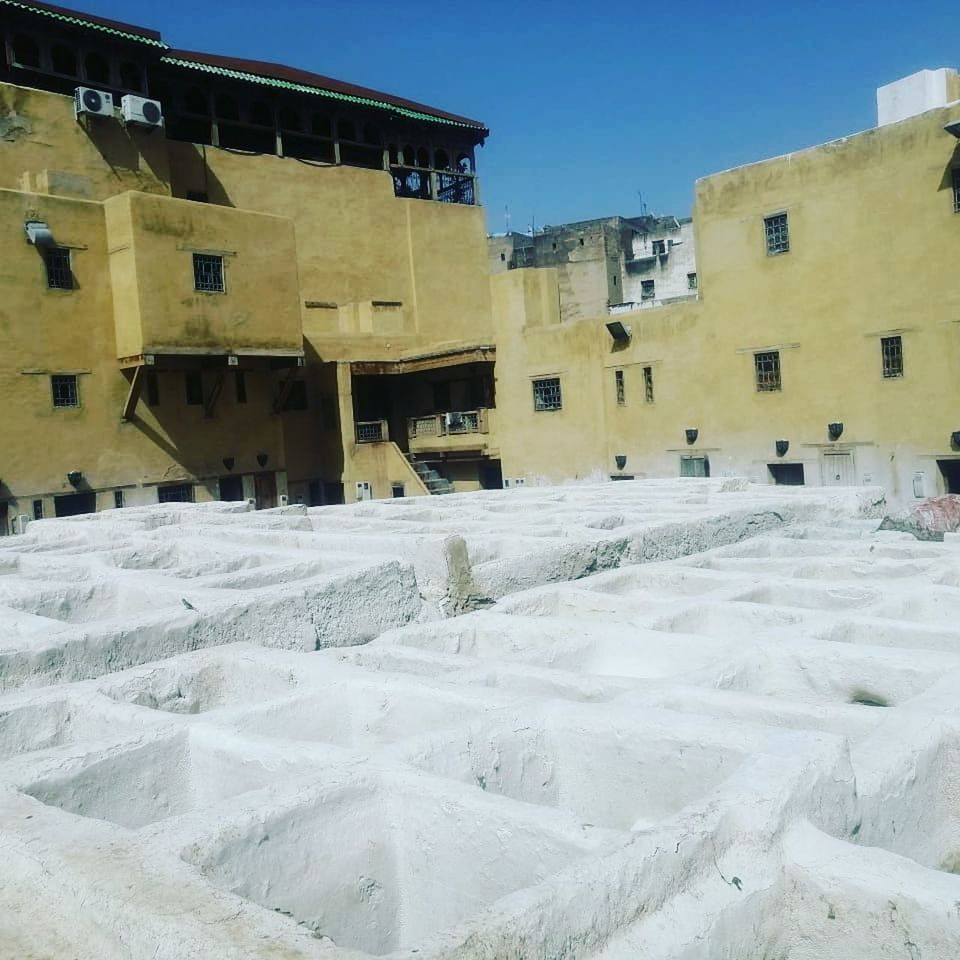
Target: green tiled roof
column 78, row 20
column 318, row 91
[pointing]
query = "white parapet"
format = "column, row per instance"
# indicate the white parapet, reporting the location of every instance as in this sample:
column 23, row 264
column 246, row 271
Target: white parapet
column 916, row 94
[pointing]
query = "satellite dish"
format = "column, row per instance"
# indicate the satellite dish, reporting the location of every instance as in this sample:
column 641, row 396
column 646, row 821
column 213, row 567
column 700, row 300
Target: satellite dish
column 93, row 101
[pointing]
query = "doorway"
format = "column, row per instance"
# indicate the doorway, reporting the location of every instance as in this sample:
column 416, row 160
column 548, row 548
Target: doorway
column 231, row 488
column 4, row 519
column 265, row 487
column 691, row 466
column 786, row 474
column 73, row 504
column 838, row 470
column 950, row 471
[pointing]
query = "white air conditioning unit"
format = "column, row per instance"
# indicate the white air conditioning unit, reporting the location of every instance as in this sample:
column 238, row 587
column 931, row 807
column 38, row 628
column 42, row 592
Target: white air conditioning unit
column 94, row 103
column 141, row 112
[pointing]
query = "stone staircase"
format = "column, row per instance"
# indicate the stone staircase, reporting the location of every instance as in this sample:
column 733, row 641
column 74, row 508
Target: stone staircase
column 431, row 479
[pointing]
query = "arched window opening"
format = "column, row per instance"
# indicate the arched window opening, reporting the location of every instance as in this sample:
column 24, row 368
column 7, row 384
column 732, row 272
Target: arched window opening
column 261, row 113
column 225, row 107
column 423, row 157
column 96, row 69
column 289, row 119
column 346, row 130
column 464, row 164
column 394, row 154
column 130, row 77
column 441, row 160
column 409, row 156
column 26, row 51
column 63, row 60
column 195, row 101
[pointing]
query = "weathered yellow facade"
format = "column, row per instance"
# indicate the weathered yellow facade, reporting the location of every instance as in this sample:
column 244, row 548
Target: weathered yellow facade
column 356, row 342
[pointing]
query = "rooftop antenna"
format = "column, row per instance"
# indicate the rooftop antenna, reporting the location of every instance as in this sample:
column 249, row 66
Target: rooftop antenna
column 506, row 216
column 643, row 206
column 533, row 225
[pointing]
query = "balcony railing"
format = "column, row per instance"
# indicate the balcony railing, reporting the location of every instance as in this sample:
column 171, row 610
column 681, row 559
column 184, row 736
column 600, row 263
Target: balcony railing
column 447, row 424
column 372, row 431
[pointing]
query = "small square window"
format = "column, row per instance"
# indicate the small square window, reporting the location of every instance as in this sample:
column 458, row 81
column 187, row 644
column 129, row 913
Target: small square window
column 208, row 273
column 193, row 380
column 397, row 490
column 767, row 368
column 59, row 273
column 546, row 394
column 777, row 233
column 66, row 393
column 891, row 350
column 37, row 509
column 659, row 248
column 621, row 387
column 648, row 289
column 691, row 281
column 648, row 384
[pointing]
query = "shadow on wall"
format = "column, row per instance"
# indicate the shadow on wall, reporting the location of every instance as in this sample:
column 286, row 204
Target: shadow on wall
column 191, row 177
column 125, row 149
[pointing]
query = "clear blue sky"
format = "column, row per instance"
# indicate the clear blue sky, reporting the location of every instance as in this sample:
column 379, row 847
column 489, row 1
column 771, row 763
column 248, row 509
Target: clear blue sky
column 589, row 104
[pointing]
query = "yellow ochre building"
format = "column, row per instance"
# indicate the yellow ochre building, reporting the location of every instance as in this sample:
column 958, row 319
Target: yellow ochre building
column 228, row 279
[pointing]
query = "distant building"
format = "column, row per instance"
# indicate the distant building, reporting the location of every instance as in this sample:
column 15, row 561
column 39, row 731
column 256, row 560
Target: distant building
column 612, row 263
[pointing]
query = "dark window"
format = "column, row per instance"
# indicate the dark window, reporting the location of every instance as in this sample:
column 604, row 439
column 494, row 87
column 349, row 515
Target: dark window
column 777, row 233
column 409, row 156
column 767, row 368
column 423, row 157
column 26, row 51
column 546, row 394
column 956, row 190
column 786, row 474
column 73, row 504
column 396, row 490
column 891, row 350
column 66, row 393
column 176, row 493
column 193, row 380
column 615, row 281
column 581, row 241
column 648, row 289
column 59, row 274
column 241, row 384
column 153, row 390
column 288, row 119
column 464, row 164
column 621, row 388
column 130, row 77
column 261, row 113
column 346, row 130
column 297, row 397
column 371, row 135
column 37, row 509
column 96, row 69
column 226, row 107
column 208, row 273
column 659, row 248
column 648, row 384
column 691, row 281
column 63, row 60
column 231, row 488
column 441, row 160
column 320, row 125
column 503, row 257
column 118, row 498
column 195, row 101
column 694, row 466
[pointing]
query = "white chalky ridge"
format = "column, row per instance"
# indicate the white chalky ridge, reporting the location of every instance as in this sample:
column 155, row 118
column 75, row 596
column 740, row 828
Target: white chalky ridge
column 257, row 735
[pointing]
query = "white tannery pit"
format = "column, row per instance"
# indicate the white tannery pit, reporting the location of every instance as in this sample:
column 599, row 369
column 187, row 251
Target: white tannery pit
column 683, row 720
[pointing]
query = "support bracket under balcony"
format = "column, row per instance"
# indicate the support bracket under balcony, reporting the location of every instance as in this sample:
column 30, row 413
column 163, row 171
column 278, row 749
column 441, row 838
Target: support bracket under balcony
column 286, row 385
column 133, row 394
column 210, row 404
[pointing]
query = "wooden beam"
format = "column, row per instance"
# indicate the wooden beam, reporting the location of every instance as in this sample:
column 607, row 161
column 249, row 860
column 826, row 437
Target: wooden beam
column 133, row 395
column 286, row 385
column 211, row 402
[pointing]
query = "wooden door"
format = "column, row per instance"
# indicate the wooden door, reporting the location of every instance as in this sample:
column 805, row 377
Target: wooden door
column 266, row 490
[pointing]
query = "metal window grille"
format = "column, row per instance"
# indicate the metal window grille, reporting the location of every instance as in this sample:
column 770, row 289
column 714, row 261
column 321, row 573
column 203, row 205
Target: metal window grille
column 546, row 394
column 777, row 233
column 648, row 289
column 891, row 349
column 178, row 493
column 691, row 281
column 648, row 384
column 37, row 509
column 621, row 387
column 371, row 431
column 767, row 366
column 956, row 190
column 118, row 499
column 65, row 390
column 691, row 466
column 59, row 274
column 208, row 273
